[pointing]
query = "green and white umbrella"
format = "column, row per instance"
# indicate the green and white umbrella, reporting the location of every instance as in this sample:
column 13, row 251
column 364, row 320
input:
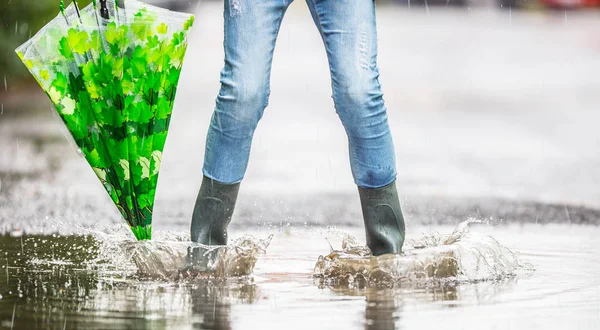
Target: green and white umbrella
column 111, row 70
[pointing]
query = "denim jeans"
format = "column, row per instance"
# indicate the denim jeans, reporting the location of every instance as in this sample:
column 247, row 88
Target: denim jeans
column 348, row 30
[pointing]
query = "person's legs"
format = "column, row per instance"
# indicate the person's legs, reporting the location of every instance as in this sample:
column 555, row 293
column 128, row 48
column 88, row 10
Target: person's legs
column 349, row 32
column 251, row 29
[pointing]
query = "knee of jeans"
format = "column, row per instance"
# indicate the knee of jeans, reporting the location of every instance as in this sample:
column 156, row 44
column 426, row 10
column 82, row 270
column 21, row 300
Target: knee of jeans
column 251, row 100
column 349, row 97
column 357, row 92
column 245, row 102
column 360, row 107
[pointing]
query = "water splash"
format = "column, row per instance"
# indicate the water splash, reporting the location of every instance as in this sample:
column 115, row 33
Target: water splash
column 461, row 256
column 113, row 253
column 182, row 259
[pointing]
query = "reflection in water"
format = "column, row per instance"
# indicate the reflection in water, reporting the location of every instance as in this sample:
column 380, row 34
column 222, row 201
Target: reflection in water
column 213, row 303
column 382, row 310
column 209, row 302
column 384, row 306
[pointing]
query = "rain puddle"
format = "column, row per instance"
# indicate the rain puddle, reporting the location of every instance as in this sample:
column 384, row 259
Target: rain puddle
column 483, row 272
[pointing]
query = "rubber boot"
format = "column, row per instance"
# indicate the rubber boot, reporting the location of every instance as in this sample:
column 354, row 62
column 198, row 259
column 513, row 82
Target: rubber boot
column 212, row 212
column 383, row 218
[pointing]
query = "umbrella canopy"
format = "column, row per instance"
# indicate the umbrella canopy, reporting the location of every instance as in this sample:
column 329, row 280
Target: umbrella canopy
column 111, row 71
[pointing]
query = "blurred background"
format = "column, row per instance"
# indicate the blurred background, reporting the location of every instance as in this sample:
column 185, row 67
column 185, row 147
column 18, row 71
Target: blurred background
column 22, row 18
column 493, row 106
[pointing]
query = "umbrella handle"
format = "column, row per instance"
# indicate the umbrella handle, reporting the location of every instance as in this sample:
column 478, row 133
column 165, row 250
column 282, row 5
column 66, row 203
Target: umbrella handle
column 103, row 9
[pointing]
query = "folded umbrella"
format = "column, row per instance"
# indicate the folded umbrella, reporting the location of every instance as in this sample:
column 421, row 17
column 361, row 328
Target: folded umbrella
column 111, row 70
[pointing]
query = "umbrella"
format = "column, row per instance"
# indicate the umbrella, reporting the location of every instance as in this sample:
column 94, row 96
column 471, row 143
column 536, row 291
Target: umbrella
column 111, row 70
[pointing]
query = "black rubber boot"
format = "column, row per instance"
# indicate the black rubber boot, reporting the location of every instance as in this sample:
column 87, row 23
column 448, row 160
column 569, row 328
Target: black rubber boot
column 212, row 212
column 384, row 222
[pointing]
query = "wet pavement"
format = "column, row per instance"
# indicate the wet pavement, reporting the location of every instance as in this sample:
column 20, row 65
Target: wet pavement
column 58, row 282
column 494, row 116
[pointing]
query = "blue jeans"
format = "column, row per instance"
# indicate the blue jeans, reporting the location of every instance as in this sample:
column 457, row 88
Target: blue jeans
column 348, row 30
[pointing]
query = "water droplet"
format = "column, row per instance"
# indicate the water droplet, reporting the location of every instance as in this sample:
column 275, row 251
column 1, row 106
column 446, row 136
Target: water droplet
column 12, row 323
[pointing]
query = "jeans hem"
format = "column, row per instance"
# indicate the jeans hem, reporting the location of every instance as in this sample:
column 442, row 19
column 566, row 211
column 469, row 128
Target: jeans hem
column 377, row 186
column 225, row 182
